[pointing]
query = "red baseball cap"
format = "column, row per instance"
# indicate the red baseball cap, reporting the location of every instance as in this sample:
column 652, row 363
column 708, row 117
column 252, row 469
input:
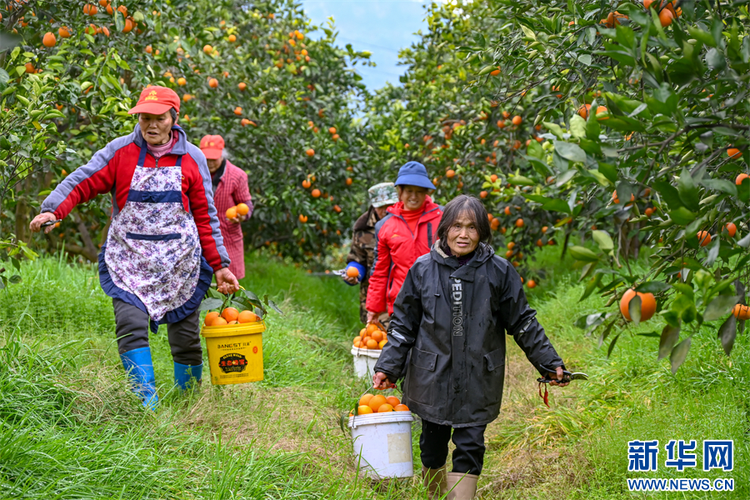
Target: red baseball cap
column 212, row 146
column 156, row 100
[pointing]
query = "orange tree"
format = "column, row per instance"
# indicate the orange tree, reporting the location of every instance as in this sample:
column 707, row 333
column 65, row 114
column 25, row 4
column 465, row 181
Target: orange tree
column 642, row 112
column 281, row 100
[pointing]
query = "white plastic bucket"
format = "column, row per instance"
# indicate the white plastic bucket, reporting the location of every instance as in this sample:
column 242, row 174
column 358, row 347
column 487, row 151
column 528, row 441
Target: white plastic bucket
column 382, row 444
column 364, row 361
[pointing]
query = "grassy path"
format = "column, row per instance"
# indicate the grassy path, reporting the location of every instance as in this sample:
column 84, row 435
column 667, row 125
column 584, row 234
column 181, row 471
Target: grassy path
column 71, row 429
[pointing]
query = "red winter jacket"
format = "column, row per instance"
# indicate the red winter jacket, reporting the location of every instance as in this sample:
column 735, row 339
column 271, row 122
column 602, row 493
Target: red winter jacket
column 396, row 250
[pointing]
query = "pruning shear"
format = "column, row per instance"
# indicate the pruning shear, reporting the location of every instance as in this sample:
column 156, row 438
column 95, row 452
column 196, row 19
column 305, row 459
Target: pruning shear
column 51, row 223
column 567, row 377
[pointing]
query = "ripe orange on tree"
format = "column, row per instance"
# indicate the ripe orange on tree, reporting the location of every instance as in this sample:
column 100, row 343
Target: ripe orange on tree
column 495, row 72
column 704, row 238
column 519, row 223
column 232, row 38
column 483, row 194
column 49, row 40
column 310, row 152
column 531, row 284
column 730, row 229
column 315, row 193
column 666, row 17
column 306, row 184
column 741, row 312
column 734, row 153
column 649, row 212
column 238, row 111
column 90, row 9
column 648, row 304
column 741, row 177
column 302, row 218
column 242, row 85
column 181, row 82
column 517, row 120
column 207, row 49
column 129, row 25
column 213, row 83
column 349, row 181
column 64, row 32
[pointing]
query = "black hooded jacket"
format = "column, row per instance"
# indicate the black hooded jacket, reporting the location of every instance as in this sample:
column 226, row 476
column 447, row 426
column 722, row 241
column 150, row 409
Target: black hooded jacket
column 446, row 336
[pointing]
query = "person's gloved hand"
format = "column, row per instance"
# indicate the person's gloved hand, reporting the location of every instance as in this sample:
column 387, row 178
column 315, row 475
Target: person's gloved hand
column 353, row 280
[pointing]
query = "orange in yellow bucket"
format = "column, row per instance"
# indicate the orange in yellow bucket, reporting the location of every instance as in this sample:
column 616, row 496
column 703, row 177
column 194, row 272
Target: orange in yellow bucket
column 235, row 352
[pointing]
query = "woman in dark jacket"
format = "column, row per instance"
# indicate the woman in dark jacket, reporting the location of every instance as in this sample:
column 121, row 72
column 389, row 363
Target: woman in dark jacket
column 447, row 326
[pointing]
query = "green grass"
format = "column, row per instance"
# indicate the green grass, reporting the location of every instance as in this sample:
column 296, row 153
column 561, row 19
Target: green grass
column 70, row 428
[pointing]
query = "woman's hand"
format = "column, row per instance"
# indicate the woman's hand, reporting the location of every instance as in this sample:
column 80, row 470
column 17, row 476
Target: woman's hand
column 226, row 283
column 380, row 381
column 36, row 223
column 238, row 219
column 372, row 317
column 558, row 375
column 352, row 280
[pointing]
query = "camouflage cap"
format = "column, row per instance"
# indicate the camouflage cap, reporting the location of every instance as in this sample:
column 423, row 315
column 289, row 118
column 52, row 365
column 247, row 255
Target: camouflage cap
column 383, row 194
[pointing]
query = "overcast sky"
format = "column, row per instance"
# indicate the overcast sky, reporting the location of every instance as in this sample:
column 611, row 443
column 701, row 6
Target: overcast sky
column 380, row 26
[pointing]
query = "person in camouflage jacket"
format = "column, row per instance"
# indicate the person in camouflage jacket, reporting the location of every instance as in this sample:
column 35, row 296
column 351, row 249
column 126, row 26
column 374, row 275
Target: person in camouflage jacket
column 362, row 252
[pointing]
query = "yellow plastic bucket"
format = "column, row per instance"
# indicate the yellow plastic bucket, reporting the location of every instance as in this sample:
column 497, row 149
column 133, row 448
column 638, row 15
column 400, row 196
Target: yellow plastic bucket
column 235, row 352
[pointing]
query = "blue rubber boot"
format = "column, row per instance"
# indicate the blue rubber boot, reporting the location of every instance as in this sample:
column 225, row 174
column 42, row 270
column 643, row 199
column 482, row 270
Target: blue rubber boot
column 140, row 370
column 183, row 375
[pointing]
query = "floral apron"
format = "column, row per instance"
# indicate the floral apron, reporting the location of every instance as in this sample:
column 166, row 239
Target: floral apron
column 153, row 250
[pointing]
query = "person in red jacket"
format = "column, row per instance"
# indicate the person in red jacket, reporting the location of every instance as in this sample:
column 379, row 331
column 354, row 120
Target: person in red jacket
column 163, row 245
column 230, row 190
column 403, row 235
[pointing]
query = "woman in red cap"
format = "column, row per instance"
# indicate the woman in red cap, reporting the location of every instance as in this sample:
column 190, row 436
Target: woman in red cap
column 230, row 190
column 164, row 243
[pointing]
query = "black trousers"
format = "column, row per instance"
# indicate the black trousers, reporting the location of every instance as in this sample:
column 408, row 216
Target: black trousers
column 131, row 328
column 468, row 456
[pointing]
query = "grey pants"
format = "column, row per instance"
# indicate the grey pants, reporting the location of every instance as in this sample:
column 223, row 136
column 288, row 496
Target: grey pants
column 131, row 328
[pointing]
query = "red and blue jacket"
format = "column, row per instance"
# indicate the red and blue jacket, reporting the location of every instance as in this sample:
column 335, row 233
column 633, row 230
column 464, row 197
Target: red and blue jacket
column 396, row 250
column 111, row 171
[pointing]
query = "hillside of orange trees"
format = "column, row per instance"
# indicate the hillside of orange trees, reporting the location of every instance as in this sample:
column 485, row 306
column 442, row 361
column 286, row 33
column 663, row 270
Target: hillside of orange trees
column 612, row 131
column 280, row 98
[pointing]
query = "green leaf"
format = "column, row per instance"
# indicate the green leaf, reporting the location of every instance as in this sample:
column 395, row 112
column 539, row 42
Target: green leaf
column 669, row 193
column 679, row 353
column 603, row 239
column 582, row 254
column 209, row 304
column 570, row 151
column 554, row 128
column 634, row 309
column 577, row 126
column 688, row 191
column 272, row 305
column 669, row 337
column 519, row 180
column 653, row 287
column 719, row 307
column 682, row 216
column 727, row 334
column 557, row 205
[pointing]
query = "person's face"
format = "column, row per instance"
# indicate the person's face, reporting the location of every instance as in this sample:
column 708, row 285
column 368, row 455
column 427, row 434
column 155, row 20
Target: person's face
column 463, row 236
column 381, row 211
column 155, row 128
column 213, row 165
column 412, row 196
